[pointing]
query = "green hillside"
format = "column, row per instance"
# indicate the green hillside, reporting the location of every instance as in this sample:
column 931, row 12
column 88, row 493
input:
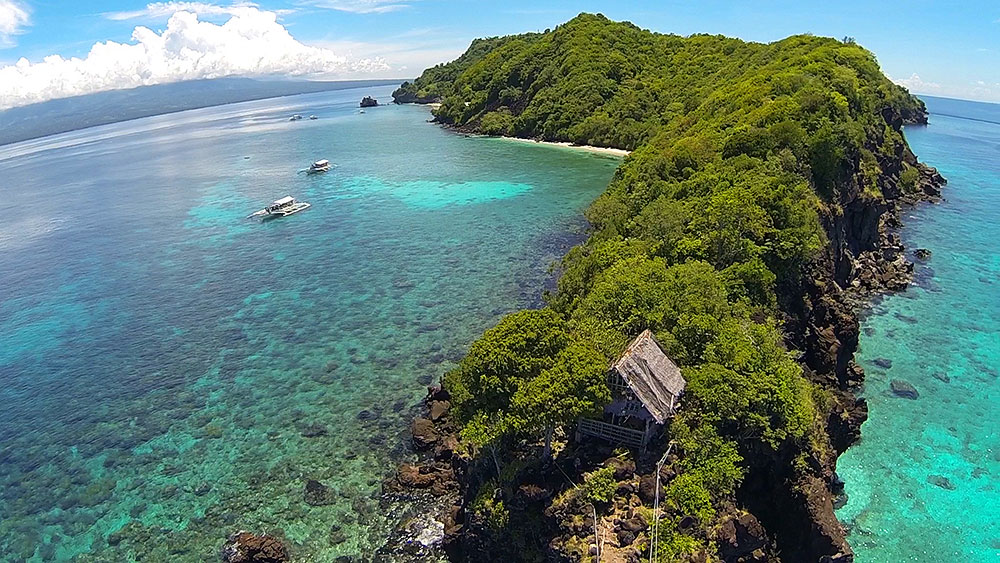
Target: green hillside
column 742, row 153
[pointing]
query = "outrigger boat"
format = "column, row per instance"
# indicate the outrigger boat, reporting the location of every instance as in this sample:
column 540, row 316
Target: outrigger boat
column 280, row 208
column 319, row 166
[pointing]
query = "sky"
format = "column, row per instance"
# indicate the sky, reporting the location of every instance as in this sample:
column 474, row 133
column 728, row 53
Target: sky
column 58, row 48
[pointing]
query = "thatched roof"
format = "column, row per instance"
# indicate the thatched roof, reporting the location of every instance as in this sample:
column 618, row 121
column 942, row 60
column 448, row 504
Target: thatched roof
column 655, row 380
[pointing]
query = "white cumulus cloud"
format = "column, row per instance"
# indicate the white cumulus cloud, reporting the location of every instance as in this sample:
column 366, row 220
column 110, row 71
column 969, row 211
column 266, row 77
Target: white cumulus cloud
column 916, row 84
column 14, row 17
column 250, row 43
column 360, row 6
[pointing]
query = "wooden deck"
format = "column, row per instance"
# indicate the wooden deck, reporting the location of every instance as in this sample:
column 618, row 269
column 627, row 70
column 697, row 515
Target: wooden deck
column 612, row 433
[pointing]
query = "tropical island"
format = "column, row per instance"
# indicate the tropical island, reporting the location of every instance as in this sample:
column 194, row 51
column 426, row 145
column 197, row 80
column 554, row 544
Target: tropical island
column 751, row 221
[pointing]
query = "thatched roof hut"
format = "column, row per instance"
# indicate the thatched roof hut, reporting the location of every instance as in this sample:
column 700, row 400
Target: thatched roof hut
column 651, row 376
column 646, row 387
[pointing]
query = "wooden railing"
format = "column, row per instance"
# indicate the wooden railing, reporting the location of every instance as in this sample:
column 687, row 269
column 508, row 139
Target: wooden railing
column 616, row 434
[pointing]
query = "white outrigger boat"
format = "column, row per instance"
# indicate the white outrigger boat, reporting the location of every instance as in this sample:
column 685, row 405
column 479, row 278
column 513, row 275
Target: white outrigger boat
column 319, row 166
column 280, row 208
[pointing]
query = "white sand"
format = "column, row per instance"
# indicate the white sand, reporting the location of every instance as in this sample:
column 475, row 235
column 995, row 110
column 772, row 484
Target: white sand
column 588, row 148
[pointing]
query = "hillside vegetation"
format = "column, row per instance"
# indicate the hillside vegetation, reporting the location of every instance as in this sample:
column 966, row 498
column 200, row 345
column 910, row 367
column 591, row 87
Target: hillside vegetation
column 738, row 150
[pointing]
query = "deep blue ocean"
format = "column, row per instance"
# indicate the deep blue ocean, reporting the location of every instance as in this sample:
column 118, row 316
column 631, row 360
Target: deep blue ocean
column 923, row 484
column 171, row 372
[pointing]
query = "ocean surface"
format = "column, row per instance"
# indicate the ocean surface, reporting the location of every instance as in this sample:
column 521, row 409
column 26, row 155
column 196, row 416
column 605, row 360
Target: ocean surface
column 923, row 483
column 171, row 371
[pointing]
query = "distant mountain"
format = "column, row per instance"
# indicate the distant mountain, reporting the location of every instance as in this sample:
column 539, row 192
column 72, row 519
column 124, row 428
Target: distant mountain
column 79, row 112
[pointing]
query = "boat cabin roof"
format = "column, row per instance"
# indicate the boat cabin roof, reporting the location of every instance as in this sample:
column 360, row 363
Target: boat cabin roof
column 284, row 201
column 321, row 162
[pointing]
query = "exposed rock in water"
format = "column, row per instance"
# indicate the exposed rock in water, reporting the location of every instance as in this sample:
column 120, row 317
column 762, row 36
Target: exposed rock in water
column 922, row 253
column 368, row 102
column 438, row 409
column 941, row 481
column 883, row 363
column 903, row 389
column 246, row 547
column 318, row 494
column 424, row 435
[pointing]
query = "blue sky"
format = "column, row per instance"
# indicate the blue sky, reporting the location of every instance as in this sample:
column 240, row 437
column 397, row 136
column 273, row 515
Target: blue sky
column 941, row 48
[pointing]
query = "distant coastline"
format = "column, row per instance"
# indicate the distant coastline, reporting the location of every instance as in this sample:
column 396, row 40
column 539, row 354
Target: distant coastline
column 80, row 112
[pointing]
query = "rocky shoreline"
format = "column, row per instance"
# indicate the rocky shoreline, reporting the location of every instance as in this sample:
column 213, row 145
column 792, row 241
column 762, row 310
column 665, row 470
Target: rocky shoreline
column 777, row 515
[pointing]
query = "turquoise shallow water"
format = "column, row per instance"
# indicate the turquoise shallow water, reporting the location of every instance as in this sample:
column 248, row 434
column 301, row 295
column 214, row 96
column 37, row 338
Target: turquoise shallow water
column 163, row 358
column 924, row 482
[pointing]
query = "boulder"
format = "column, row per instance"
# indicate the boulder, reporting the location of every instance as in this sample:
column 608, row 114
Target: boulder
column 635, row 524
column 410, row 476
column 739, row 536
column 883, row 363
column 922, row 253
column 439, row 409
column 941, row 376
column 246, row 547
column 647, row 489
column 318, row 494
column 903, row 389
column 368, row 102
column 424, row 434
column 625, row 538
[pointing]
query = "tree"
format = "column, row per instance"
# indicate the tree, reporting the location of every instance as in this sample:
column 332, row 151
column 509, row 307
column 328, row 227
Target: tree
column 525, row 377
column 575, row 386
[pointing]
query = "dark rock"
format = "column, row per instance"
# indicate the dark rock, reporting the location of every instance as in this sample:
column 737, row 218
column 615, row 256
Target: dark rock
column 647, row 489
column 624, row 469
column 424, row 435
column 941, row 376
column 903, row 389
column 203, row 488
column 922, row 253
column 438, row 409
column 368, row 102
column 635, row 524
column 883, row 363
column 313, row 431
column 369, row 415
column 318, row 494
column 941, row 481
column 840, row 501
column 625, row 538
column 246, row 547
column 410, row 476
column 337, row 536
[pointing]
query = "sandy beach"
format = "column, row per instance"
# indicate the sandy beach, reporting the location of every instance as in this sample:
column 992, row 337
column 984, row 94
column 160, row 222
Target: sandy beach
column 588, row 148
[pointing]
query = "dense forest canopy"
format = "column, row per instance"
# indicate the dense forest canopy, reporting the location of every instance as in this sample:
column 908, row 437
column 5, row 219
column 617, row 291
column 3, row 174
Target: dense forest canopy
column 737, row 148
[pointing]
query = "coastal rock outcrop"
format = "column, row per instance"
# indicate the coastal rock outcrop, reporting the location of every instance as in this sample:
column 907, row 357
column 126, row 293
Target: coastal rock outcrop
column 247, row 547
column 424, row 435
column 407, row 94
column 368, row 102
